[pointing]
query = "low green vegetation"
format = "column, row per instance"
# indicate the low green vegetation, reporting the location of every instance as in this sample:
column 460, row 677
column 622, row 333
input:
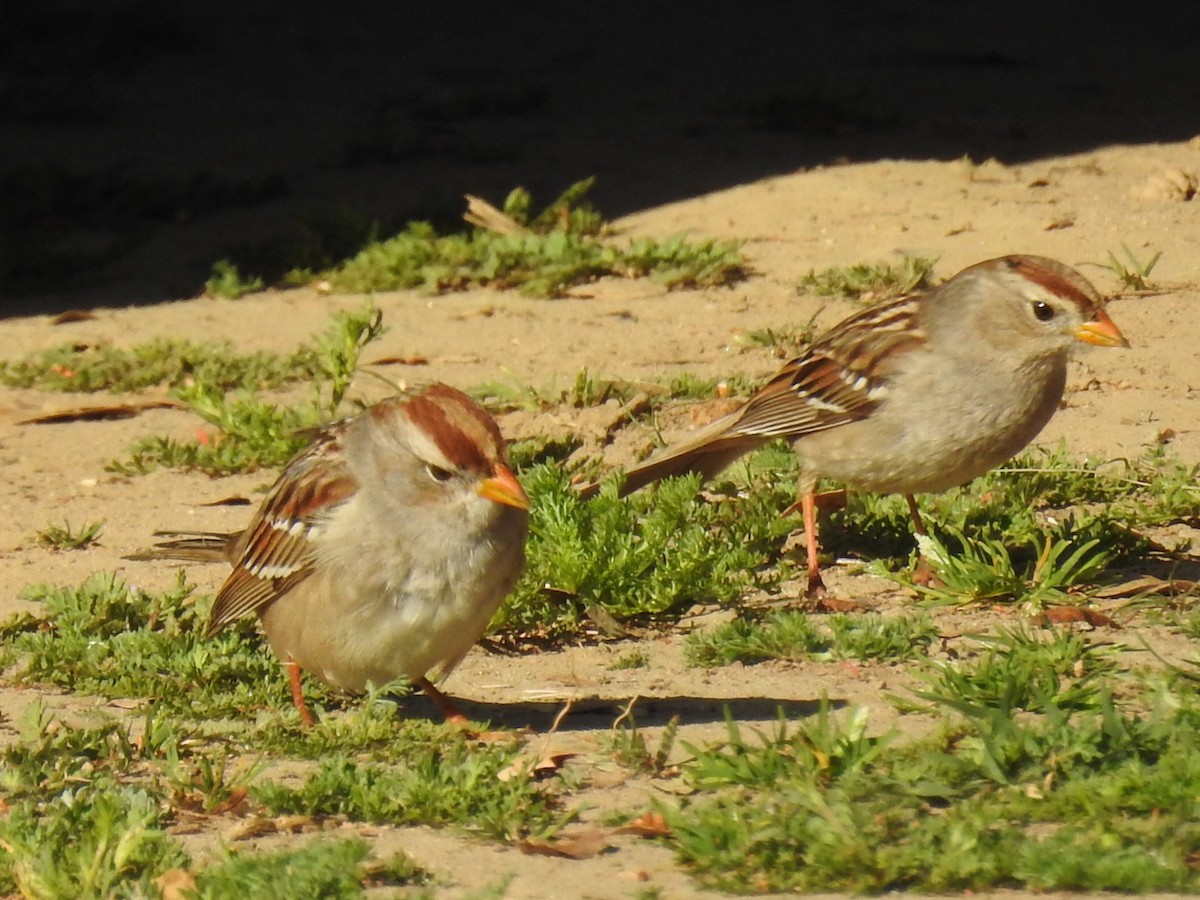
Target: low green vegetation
column 249, row 431
column 871, row 282
column 649, row 554
column 65, row 537
column 634, row 659
column 109, row 638
column 172, row 362
column 90, row 809
column 228, row 283
column 1133, row 274
column 450, row 783
column 543, row 255
column 1101, row 799
column 1024, row 669
column 791, row 634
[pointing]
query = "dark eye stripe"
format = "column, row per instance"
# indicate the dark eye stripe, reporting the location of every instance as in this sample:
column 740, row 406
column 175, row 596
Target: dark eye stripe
column 1059, row 280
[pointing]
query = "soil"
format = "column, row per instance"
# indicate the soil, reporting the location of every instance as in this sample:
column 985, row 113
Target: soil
column 1077, row 181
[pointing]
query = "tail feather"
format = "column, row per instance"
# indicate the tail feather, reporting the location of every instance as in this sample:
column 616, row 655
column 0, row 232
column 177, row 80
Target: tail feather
column 190, row 546
column 707, row 458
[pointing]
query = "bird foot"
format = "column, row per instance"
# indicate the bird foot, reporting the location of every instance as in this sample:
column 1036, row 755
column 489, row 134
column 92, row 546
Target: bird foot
column 454, row 715
column 924, row 575
column 816, row 587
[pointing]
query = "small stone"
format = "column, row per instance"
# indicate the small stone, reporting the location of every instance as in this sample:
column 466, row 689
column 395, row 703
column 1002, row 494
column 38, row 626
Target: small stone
column 1169, row 185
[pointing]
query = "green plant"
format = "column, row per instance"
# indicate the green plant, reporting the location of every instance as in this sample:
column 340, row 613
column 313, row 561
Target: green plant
column 542, row 255
column 445, row 783
column 983, row 570
column 1136, row 275
column 251, row 432
column 627, row 745
column 227, row 282
column 1022, row 669
column 171, row 361
column 635, row 659
column 87, row 842
column 782, row 635
column 871, row 282
column 871, row 636
column 64, row 537
column 86, row 813
column 1001, row 800
column 785, row 343
column 322, row 868
column 109, row 638
column 206, row 782
column 648, row 554
column 790, row 634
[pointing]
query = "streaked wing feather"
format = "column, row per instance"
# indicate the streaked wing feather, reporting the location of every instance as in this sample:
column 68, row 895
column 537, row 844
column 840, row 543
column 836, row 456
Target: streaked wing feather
column 276, row 551
column 808, row 396
column 841, row 377
column 243, row 593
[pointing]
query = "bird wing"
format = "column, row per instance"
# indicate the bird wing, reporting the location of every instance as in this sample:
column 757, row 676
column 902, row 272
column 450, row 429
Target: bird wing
column 277, row 551
column 841, row 378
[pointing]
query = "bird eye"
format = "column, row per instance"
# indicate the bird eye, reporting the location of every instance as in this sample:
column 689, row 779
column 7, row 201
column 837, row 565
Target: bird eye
column 437, row 473
column 1043, row 311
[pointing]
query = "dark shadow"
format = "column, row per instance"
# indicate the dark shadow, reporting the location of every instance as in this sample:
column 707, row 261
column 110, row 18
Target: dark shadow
column 595, row 713
column 141, row 141
column 1169, row 568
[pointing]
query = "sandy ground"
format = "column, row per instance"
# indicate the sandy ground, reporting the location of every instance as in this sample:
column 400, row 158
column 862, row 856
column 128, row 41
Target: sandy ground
column 1076, row 186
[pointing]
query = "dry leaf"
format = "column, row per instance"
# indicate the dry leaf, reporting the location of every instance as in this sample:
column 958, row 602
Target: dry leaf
column 651, row 824
column 99, row 413
column 72, row 315
column 831, row 500
column 1147, row 584
column 176, row 884
column 580, row 845
column 551, row 762
column 548, row 764
column 675, row 787
column 482, row 214
column 514, row 769
column 1063, row 615
column 835, row 604
column 414, row 360
column 297, row 823
column 234, row 803
column 228, row 501
column 253, row 827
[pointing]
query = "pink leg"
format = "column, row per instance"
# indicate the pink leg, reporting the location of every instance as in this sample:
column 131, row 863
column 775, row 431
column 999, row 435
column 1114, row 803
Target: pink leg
column 918, row 524
column 808, row 506
column 922, row 574
column 306, row 717
column 445, row 705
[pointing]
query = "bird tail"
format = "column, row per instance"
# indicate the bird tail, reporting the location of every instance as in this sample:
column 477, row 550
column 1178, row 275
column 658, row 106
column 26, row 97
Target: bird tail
column 701, row 455
column 190, row 546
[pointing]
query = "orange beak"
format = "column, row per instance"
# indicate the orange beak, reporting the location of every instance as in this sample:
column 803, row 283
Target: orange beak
column 1101, row 331
column 503, row 487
